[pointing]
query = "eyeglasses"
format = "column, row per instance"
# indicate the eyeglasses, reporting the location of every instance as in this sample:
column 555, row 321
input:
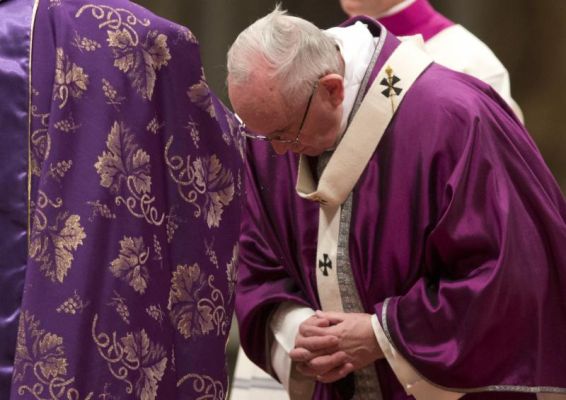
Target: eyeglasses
column 278, row 139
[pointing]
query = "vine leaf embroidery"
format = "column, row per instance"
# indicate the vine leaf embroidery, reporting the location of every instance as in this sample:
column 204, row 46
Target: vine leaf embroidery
column 126, row 164
column 53, row 246
column 220, row 184
column 140, row 63
column 204, row 387
column 196, row 306
column 137, row 347
column 40, row 364
column 70, row 79
column 199, row 93
column 123, row 160
column 187, row 285
column 40, row 141
column 138, row 60
column 130, row 265
column 133, row 359
column 204, row 183
column 65, row 242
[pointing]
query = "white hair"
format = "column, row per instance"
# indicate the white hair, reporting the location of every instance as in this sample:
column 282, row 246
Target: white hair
column 297, row 53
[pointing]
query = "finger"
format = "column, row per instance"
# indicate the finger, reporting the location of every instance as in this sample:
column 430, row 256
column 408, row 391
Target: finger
column 333, row 317
column 315, row 321
column 313, row 327
column 306, row 371
column 300, row 354
column 312, row 332
column 308, row 330
column 322, row 322
column 326, row 363
column 317, row 343
column 336, row 374
column 321, row 364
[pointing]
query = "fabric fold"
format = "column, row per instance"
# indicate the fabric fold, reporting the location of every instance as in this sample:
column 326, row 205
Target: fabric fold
column 15, row 51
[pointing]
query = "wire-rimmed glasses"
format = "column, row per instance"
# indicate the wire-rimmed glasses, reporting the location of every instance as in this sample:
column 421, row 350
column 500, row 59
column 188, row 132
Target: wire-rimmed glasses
column 279, row 139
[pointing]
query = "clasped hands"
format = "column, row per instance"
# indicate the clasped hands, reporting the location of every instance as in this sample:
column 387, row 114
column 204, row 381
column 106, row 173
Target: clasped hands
column 330, row 345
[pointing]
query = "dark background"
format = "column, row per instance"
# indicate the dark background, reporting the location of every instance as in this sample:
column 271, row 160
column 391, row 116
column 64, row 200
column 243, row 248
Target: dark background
column 528, row 36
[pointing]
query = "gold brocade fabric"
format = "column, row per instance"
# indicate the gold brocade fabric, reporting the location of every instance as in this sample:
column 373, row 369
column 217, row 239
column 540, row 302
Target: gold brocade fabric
column 135, row 177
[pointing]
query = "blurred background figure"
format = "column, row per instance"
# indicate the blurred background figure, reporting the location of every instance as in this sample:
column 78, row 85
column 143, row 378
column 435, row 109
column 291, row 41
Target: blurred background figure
column 449, row 44
column 119, row 206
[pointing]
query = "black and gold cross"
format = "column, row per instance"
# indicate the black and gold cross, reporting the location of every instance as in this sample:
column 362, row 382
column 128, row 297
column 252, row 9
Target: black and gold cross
column 391, row 91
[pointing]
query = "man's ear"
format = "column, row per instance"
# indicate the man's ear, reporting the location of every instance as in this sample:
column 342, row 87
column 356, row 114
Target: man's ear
column 333, row 89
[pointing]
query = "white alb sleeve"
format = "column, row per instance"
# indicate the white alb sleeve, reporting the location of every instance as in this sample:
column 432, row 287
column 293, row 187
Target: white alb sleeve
column 284, row 325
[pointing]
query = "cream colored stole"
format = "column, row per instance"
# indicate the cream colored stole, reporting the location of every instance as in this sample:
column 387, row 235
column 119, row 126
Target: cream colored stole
column 341, row 174
column 351, row 157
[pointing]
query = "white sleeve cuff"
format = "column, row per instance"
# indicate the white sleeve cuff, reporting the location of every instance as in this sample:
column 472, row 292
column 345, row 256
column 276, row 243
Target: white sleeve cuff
column 412, row 381
column 284, row 325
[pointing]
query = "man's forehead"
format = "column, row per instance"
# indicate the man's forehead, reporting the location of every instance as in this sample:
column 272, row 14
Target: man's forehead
column 256, row 87
column 258, row 103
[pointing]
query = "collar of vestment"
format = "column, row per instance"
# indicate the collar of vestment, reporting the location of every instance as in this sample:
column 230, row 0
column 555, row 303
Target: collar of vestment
column 396, row 8
column 417, row 18
column 357, row 46
column 370, row 120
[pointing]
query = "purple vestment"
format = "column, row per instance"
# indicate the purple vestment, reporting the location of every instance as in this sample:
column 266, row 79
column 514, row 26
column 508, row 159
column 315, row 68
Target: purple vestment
column 134, row 207
column 456, row 243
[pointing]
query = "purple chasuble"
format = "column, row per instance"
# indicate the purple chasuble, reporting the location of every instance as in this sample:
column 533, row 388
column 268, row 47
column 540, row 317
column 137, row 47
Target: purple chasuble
column 135, row 175
column 418, row 18
column 15, row 27
column 456, row 243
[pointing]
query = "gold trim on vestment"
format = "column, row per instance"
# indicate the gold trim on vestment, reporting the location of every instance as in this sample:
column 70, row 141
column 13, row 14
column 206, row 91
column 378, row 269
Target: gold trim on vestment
column 30, row 96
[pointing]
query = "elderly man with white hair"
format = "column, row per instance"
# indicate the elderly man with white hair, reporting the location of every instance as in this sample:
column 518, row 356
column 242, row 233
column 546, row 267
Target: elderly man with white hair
column 402, row 235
